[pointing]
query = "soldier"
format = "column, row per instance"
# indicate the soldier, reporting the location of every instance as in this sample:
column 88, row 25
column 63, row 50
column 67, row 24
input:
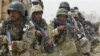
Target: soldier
column 35, row 2
column 84, row 42
column 62, row 36
column 96, row 34
column 20, row 34
column 70, row 19
column 41, row 32
column 72, row 22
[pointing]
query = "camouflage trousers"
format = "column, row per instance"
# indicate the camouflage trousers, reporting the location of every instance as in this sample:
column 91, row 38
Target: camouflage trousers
column 41, row 52
column 83, row 46
column 66, row 48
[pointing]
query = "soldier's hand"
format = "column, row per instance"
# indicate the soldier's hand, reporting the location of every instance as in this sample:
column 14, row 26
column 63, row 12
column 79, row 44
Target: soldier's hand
column 75, row 31
column 14, row 46
column 38, row 33
column 61, row 27
column 49, row 42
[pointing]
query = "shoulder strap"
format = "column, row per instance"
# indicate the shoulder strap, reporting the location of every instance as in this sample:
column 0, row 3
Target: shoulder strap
column 23, row 25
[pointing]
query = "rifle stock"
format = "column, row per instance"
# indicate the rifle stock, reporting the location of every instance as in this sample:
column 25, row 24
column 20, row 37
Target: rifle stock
column 9, row 40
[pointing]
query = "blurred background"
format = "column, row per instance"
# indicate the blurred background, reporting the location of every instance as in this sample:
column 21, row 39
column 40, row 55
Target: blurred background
column 89, row 8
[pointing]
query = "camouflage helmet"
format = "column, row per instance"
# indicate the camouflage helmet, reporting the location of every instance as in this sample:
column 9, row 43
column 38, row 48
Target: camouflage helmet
column 16, row 5
column 64, row 5
column 35, row 0
column 62, row 11
column 72, row 10
column 76, row 8
column 36, row 8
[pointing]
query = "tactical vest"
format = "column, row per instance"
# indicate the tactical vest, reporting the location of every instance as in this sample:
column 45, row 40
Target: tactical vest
column 41, row 23
column 16, row 32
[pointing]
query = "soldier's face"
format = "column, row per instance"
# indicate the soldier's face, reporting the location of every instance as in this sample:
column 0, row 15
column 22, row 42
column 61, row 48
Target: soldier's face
column 62, row 17
column 37, row 15
column 15, row 15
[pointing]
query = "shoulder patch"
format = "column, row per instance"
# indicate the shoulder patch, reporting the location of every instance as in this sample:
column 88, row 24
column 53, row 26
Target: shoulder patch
column 26, row 27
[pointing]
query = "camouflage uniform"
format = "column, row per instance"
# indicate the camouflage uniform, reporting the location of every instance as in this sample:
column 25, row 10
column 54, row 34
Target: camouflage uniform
column 22, row 35
column 71, row 20
column 76, row 25
column 83, row 44
column 64, row 42
column 43, row 25
column 96, row 42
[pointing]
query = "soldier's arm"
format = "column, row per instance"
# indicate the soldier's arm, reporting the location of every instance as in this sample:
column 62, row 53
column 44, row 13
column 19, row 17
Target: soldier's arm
column 2, row 28
column 29, row 37
column 58, row 30
column 3, row 36
column 55, row 32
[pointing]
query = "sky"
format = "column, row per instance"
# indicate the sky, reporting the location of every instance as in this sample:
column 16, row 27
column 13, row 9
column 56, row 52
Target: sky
column 88, row 6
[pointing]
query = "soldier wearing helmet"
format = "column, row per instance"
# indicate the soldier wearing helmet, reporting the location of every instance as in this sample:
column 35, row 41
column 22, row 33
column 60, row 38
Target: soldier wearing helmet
column 80, row 20
column 65, row 5
column 62, row 36
column 36, row 13
column 20, row 31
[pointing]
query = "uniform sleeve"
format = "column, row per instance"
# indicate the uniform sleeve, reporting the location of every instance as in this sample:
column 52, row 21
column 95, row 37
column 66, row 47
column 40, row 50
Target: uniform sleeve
column 2, row 29
column 29, row 37
column 55, row 32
